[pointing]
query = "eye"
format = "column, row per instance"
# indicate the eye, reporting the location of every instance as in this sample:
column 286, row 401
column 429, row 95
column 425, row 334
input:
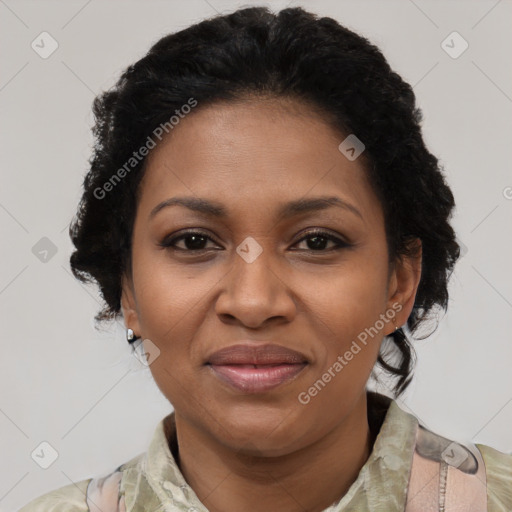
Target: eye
column 193, row 241
column 318, row 239
column 196, row 241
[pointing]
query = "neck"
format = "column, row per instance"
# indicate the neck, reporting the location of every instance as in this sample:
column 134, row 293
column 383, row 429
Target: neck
column 228, row 481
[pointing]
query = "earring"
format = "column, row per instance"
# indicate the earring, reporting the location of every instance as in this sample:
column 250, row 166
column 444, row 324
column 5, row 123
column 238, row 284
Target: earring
column 130, row 336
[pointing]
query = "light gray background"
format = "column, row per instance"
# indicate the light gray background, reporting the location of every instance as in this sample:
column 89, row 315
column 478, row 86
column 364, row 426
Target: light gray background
column 81, row 390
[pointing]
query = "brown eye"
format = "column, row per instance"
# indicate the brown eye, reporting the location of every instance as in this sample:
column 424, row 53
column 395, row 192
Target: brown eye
column 192, row 241
column 318, row 240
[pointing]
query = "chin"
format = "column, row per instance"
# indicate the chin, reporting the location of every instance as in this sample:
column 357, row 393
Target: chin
column 268, row 430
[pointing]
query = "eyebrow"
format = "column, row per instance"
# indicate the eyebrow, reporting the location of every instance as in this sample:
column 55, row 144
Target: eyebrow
column 287, row 210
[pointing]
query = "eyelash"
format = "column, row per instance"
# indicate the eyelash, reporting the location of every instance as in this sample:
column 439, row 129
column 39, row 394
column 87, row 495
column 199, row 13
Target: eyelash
column 169, row 243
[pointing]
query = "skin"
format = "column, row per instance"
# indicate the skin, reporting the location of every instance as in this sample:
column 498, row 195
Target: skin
column 255, row 452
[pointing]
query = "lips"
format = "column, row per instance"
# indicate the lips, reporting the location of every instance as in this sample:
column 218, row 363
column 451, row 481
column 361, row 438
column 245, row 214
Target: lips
column 254, row 368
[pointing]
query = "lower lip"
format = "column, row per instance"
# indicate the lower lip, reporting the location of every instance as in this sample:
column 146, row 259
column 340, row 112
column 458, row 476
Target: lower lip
column 257, row 380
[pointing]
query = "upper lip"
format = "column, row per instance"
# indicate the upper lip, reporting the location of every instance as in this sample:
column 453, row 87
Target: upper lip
column 258, row 354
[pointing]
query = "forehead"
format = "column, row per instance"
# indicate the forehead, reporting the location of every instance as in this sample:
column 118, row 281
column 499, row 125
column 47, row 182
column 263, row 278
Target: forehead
column 254, row 152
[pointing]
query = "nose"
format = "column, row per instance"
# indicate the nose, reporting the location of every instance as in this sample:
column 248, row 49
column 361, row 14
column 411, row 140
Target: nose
column 256, row 293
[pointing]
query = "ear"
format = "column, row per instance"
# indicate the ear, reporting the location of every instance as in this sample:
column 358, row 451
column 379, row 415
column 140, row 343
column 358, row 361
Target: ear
column 403, row 283
column 129, row 305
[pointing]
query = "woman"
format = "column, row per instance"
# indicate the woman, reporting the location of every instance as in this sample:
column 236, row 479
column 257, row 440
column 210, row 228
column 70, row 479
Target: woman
column 262, row 211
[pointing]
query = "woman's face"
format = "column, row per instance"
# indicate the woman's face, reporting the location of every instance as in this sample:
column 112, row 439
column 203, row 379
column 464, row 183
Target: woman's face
column 260, row 179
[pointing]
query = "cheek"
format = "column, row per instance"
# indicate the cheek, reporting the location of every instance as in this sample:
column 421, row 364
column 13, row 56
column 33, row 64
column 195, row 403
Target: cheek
column 168, row 296
column 349, row 308
column 352, row 298
column 169, row 307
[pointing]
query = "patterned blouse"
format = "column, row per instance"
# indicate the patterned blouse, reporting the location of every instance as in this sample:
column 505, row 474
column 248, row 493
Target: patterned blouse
column 409, row 469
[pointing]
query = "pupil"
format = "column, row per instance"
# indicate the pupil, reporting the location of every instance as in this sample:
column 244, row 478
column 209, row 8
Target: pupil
column 197, row 242
column 319, row 244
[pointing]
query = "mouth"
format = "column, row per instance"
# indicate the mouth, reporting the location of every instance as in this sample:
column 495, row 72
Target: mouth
column 256, row 368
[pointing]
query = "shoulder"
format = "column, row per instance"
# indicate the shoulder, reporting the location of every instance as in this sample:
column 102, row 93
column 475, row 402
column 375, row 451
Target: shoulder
column 100, row 494
column 70, row 498
column 498, row 468
column 472, row 477
column 477, row 475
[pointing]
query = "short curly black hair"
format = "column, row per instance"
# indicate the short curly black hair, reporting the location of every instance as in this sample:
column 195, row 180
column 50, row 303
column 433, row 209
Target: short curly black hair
column 289, row 54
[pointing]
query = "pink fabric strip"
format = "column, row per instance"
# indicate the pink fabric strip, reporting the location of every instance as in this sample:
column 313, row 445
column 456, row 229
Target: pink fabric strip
column 103, row 494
